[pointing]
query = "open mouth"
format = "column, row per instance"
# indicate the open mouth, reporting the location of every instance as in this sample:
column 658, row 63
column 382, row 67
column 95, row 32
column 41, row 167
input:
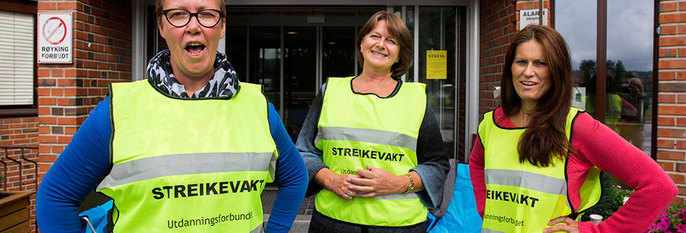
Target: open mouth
column 195, row 48
column 528, row 84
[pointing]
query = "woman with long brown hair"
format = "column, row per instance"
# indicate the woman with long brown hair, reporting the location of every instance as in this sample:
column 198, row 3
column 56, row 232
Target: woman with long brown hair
column 536, row 162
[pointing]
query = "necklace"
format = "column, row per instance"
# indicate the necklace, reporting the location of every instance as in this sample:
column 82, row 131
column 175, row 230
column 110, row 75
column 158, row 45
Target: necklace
column 369, row 88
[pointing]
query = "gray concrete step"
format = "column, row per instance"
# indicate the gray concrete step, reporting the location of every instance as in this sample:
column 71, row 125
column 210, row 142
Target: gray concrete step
column 300, row 225
column 302, row 220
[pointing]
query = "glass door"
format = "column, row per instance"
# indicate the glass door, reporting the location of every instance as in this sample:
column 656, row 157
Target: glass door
column 291, row 52
column 441, row 30
column 255, row 53
column 300, row 57
column 312, row 54
column 291, row 80
column 338, row 52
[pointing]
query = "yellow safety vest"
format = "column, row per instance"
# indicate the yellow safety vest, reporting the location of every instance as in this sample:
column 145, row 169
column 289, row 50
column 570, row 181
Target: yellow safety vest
column 521, row 197
column 613, row 111
column 188, row 165
column 356, row 130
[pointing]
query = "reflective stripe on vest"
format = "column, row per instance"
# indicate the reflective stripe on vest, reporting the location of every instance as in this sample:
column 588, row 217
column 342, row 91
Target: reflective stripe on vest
column 184, row 164
column 355, row 130
column 527, row 180
column 367, row 135
column 521, row 197
column 484, row 230
column 188, row 165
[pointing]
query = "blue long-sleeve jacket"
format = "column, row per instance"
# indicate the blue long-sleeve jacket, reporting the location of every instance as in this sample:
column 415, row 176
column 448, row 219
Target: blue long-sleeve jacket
column 85, row 162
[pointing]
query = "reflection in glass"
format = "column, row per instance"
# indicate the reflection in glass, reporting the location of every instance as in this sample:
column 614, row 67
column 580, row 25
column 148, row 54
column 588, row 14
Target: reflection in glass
column 629, row 69
column 582, row 46
column 628, row 78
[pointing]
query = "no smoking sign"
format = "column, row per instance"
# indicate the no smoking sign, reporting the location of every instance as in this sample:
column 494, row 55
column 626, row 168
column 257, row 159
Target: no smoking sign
column 55, row 38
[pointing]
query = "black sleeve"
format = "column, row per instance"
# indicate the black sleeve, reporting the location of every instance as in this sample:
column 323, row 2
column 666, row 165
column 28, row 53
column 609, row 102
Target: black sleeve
column 312, row 156
column 432, row 157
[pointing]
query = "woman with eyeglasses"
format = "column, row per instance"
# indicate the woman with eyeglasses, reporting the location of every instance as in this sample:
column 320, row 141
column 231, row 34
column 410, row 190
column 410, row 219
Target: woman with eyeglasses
column 190, row 149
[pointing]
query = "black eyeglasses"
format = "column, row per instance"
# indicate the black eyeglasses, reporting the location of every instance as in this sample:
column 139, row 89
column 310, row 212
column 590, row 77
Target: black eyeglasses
column 181, row 17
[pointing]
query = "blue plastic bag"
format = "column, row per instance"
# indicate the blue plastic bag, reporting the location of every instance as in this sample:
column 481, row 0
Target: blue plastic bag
column 461, row 215
column 95, row 218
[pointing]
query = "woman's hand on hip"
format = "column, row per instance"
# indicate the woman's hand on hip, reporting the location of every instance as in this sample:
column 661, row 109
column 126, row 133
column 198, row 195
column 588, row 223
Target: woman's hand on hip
column 376, row 181
column 569, row 225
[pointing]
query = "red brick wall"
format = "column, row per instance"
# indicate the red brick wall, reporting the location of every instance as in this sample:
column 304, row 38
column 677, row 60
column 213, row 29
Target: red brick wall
column 19, row 131
column 499, row 22
column 671, row 132
column 102, row 54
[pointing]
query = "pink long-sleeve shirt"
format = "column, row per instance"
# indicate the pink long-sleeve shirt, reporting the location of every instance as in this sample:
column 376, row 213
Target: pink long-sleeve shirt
column 597, row 145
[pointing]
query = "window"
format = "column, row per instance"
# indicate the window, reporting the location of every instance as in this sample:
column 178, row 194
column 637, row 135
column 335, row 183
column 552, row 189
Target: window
column 627, row 72
column 16, row 65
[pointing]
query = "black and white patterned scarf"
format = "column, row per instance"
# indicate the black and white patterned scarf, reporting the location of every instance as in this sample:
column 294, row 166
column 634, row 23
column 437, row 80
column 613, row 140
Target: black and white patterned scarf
column 224, row 83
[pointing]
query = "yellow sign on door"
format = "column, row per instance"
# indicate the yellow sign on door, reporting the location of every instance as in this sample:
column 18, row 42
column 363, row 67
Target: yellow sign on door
column 436, row 64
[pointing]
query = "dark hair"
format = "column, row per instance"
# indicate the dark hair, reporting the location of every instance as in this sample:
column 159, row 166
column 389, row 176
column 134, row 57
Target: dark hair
column 544, row 137
column 159, row 3
column 397, row 28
